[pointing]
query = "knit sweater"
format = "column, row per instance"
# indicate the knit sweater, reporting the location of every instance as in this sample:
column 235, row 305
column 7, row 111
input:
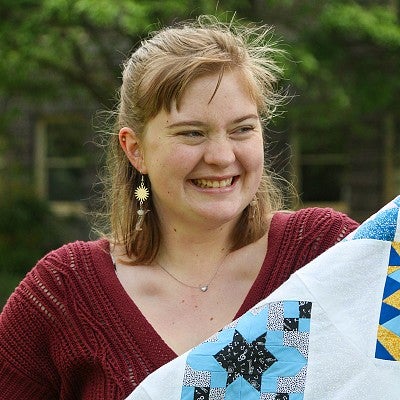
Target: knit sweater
column 70, row 331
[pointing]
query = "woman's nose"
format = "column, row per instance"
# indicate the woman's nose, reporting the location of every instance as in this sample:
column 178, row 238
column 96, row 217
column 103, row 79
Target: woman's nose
column 219, row 151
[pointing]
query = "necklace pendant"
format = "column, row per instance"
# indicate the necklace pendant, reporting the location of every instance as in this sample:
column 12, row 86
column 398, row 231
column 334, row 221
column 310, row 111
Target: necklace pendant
column 204, row 288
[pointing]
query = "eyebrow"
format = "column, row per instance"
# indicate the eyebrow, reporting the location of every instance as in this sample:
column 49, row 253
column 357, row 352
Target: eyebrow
column 200, row 123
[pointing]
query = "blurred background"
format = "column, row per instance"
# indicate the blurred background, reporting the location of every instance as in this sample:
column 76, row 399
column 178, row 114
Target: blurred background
column 337, row 141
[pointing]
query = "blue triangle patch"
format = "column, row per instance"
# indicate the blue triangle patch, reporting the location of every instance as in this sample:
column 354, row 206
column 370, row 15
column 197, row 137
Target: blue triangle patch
column 394, row 257
column 393, row 325
column 387, row 313
column 382, row 353
column 395, row 275
column 381, row 227
column 391, row 286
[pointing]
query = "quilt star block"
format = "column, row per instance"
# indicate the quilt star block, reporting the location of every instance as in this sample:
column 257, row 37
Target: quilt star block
column 264, row 353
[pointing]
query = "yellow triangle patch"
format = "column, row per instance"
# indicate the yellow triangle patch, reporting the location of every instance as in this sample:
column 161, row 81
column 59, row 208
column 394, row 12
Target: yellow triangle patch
column 396, row 246
column 390, row 341
column 393, row 268
column 393, row 300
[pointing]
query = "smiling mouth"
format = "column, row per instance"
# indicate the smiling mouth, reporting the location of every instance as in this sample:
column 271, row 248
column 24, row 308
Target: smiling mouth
column 209, row 183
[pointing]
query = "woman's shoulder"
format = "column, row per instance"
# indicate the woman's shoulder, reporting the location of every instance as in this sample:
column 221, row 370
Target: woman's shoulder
column 69, row 264
column 316, row 218
column 76, row 253
column 63, row 272
column 301, row 235
column 317, row 227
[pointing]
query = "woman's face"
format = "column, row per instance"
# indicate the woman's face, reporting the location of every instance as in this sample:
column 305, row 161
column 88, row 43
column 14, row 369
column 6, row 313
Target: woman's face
column 206, row 159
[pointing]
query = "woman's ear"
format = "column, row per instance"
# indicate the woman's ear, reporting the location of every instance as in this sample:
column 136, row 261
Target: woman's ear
column 130, row 144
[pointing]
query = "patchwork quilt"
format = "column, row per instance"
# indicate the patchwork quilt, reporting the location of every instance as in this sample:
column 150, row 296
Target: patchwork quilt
column 332, row 331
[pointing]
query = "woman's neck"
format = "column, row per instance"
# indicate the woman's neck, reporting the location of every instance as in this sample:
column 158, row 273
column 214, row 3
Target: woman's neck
column 199, row 250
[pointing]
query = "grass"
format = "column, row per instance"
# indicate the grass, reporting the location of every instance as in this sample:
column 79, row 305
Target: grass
column 8, row 282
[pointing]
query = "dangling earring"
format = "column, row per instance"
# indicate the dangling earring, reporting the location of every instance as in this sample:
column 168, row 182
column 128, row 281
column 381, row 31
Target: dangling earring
column 141, row 195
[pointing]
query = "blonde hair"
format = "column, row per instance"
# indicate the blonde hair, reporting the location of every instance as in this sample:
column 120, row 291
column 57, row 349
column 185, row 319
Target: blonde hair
column 155, row 76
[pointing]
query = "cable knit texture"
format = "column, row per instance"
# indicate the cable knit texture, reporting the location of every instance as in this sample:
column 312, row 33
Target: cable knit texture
column 70, row 331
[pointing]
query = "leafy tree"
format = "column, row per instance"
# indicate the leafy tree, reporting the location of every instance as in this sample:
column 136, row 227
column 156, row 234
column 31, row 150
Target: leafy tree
column 346, row 85
column 48, row 44
column 343, row 69
column 339, row 44
column 355, row 46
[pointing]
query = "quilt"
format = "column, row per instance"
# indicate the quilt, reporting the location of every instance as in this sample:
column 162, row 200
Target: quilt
column 332, row 331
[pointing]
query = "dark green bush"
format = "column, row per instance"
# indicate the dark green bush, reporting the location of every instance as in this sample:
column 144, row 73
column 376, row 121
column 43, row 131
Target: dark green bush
column 8, row 282
column 28, row 230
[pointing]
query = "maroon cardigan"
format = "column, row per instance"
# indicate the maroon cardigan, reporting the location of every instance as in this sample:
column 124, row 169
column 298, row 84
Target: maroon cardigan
column 70, row 331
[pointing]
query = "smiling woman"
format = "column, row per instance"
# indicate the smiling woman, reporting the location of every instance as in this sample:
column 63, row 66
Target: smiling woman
column 177, row 75
column 195, row 232
column 205, row 159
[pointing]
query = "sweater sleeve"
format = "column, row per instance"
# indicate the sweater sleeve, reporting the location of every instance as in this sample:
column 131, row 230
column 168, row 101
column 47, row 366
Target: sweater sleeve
column 305, row 234
column 312, row 231
column 26, row 368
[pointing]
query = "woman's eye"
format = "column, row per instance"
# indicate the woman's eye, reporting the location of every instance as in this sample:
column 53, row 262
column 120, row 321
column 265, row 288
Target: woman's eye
column 244, row 129
column 192, row 134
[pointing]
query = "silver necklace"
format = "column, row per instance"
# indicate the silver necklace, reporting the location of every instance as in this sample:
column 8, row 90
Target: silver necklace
column 203, row 288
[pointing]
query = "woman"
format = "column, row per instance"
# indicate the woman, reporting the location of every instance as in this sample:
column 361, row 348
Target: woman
column 196, row 235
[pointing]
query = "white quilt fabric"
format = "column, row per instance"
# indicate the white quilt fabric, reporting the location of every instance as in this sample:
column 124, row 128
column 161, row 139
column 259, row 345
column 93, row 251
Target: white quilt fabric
column 332, row 331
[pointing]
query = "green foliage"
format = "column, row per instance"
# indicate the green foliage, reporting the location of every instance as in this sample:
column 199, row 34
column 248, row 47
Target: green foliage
column 376, row 23
column 363, row 45
column 52, row 44
column 8, row 282
column 342, row 69
column 339, row 47
column 28, row 230
column 346, row 69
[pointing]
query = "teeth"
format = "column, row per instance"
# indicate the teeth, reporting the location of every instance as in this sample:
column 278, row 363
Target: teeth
column 206, row 183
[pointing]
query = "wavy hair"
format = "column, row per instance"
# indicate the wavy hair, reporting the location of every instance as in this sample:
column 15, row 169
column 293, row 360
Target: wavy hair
column 154, row 77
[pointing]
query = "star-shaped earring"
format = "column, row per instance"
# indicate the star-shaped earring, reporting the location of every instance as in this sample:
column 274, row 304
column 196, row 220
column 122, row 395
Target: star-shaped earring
column 141, row 192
